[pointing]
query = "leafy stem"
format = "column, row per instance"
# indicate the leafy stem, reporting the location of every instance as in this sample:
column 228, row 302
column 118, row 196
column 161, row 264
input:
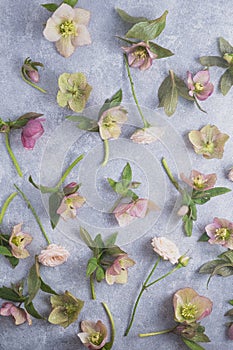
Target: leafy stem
column 106, row 150
column 170, row 176
column 145, row 122
column 24, row 77
column 6, row 204
column 11, row 154
column 108, row 312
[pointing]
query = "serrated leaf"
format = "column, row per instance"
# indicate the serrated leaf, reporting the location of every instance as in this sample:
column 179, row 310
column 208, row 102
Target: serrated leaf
column 226, row 82
column 126, row 175
column 54, row 203
column 84, row 123
column 160, row 51
column 209, row 267
column 10, row 294
column 192, row 345
column 50, row 7
column 32, row 311
column 111, row 240
column 99, row 274
column 225, row 46
column 33, row 282
column 87, row 238
column 72, row 3
column 204, row 238
column 130, row 19
column 182, row 88
column 209, row 61
column 148, row 30
column 5, row 251
column 46, row 288
column 91, row 266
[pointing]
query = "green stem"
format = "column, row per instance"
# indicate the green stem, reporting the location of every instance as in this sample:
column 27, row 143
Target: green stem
column 139, row 297
column 198, row 105
column 30, row 83
column 169, row 174
column 34, row 213
column 116, row 203
column 93, row 295
column 11, row 154
column 68, row 170
column 2, row 238
column 6, row 204
column 145, row 122
column 106, row 150
column 112, row 325
column 177, row 267
column 143, row 335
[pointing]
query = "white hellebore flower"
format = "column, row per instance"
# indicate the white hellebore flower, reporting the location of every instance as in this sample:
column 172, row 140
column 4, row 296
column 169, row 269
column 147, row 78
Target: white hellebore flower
column 53, row 255
column 166, row 249
column 147, row 135
column 68, row 29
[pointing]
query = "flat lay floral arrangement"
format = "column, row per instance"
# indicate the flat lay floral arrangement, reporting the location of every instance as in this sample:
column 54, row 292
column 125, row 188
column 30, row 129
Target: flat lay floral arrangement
column 108, row 265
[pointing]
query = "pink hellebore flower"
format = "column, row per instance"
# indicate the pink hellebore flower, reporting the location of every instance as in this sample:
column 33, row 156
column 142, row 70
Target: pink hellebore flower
column 139, row 55
column 199, row 181
column 68, row 28
column 31, row 132
column 18, row 241
column 94, row 335
column 69, row 205
column 166, row 249
column 147, row 135
column 200, row 85
column 53, row 255
column 125, row 213
column 220, row 232
column 190, row 307
column 117, row 273
column 19, row 314
column 110, row 122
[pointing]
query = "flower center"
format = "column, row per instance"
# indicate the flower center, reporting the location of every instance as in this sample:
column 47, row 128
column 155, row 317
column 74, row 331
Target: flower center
column 199, row 181
column 108, row 122
column 96, row 338
column 222, row 234
column 17, row 240
column 189, row 311
column 67, row 28
column 140, row 53
column 209, row 147
column 198, row 87
column 69, row 203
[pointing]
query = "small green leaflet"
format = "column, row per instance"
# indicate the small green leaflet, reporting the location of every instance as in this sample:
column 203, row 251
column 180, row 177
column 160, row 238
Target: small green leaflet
column 225, row 46
column 72, row 3
column 91, row 266
column 84, row 123
column 226, row 81
column 160, row 51
column 54, row 203
column 50, row 7
column 204, row 238
column 130, row 19
column 5, row 251
column 10, row 294
column 192, row 345
column 32, row 311
column 114, row 101
column 46, row 288
column 209, row 61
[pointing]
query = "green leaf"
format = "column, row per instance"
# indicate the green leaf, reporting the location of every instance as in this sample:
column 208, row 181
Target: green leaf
column 224, row 270
column 227, row 256
column 98, row 241
column 72, row 3
column 188, row 225
column 50, row 7
column 216, row 191
column 225, row 46
column 114, row 101
column 84, row 123
column 226, row 82
column 192, row 345
column 193, row 211
column 148, row 30
column 87, row 238
column 229, row 313
column 131, row 194
column 99, row 274
column 126, row 175
column 160, row 51
column 112, row 183
column 23, row 120
column 32, row 311
column 209, row 61
column 91, row 266
column 182, row 88
column 127, row 18
column 5, row 251
column 209, row 267
column 114, row 251
column 46, row 288
column 201, row 337
column 204, row 238
column 10, row 294
column 230, row 302
column 111, row 240
column 54, row 203
column 34, row 282
column 168, row 95
column 120, row 189
column 13, row 261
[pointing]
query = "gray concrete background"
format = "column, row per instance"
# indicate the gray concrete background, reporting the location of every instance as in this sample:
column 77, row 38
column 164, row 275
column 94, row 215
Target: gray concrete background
column 192, row 31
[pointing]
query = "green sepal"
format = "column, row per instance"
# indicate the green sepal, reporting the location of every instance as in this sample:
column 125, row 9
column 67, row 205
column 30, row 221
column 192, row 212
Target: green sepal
column 99, row 274
column 204, row 238
column 130, row 19
column 209, row 61
column 160, row 51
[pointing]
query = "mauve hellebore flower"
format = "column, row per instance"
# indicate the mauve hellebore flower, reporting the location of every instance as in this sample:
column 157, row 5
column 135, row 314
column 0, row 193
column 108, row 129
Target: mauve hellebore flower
column 19, row 314
column 117, row 272
column 220, row 232
column 94, row 335
column 69, row 205
column 200, row 85
column 18, row 241
column 190, row 307
column 199, row 181
column 139, row 55
column 125, row 213
column 68, row 29
column 31, row 132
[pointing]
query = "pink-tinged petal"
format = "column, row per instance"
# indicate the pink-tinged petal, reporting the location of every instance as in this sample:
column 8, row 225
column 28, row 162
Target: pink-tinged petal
column 83, row 36
column 230, row 332
column 82, row 16
column 63, row 13
column 52, row 31
column 31, row 132
column 146, row 64
column 65, row 47
column 206, row 92
column 19, row 315
column 202, row 77
column 204, row 307
column 210, row 230
column 124, row 219
column 88, row 326
column 139, row 209
column 190, row 81
column 84, row 337
column 127, row 49
column 126, row 262
column 6, row 309
column 196, row 139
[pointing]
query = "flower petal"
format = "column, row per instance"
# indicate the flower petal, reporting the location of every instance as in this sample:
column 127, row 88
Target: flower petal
column 82, row 16
column 206, row 92
column 51, row 31
column 64, row 12
column 202, row 77
column 83, row 36
column 64, row 46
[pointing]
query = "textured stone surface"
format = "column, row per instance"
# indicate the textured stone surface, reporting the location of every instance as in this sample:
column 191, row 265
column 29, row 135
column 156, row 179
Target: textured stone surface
column 192, row 31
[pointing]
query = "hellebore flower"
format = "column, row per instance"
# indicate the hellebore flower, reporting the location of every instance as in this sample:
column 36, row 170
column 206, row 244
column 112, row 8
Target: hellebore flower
column 209, row 141
column 53, row 255
column 110, row 122
column 18, row 241
column 74, row 91
column 71, row 188
column 31, row 132
column 200, row 85
column 117, row 273
column 220, row 232
column 94, row 335
column 66, row 309
column 190, row 307
column 166, row 249
column 199, row 181
column 147, row 135
column 19, row 314
column 125, row 213
column 68, row 29
column 68, row 206
column 139, row 55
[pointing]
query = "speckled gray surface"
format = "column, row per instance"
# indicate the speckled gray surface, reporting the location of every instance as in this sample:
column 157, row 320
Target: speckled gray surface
column 192, row 30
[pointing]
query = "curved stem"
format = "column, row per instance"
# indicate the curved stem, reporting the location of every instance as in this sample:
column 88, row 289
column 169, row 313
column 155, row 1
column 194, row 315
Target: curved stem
column 11, row 154
column 145, row 122
column 198, row 105
column 34, row 213
column 116, row 204
column 177, row 267
column 93, row 295
column 139, row 297
column 143, row 335
column 30, row 83
column 106, row 150
column 169, row 174
column 112, row 325
column 6, row 204
column 68, row 170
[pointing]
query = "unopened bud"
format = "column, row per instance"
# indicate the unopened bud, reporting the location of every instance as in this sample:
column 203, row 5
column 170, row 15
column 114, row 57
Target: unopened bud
column 184, row 260
column 33, row 75
column 183, row 210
